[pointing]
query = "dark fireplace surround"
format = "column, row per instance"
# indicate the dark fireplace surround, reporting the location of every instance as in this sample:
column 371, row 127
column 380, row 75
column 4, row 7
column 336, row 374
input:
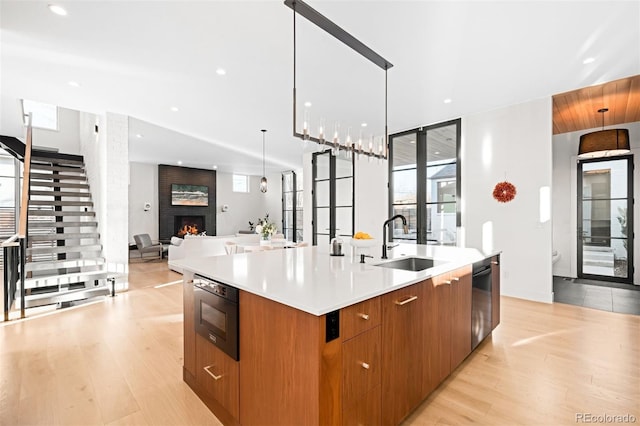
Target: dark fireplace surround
column 173, row 218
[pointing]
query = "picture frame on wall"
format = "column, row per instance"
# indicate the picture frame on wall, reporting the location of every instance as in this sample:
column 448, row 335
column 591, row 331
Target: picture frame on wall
column 189, row 195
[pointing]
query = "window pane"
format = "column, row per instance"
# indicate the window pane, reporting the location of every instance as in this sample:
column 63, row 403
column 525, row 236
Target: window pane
column 299, row 182
column 299, row 216
column 404, row 151
column 441, row 144
column 288, row 200
column 288, row 219
column 603, row 219
column 322, row 166
column 604, row 179
column 343, row 221
column 344, row 192
column 299, row 199
column 343, row 168
column 441, row 183
column 409, row 212
column 322, row 216
column 404, row 187
column 322, row 194
column 441, row 224
column 322, row 240
column 287, row 182
column 240, row 183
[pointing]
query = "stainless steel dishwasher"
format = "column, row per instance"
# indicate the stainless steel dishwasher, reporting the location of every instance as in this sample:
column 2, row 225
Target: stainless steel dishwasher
column 481, row 302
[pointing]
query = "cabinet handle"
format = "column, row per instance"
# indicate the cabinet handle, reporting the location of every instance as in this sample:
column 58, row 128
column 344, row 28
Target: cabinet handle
column 365, row 365
column 494, row 262
column 211, row 374
column 455, row 279
column 407, row 300
column 364, row 316
column 446, row 282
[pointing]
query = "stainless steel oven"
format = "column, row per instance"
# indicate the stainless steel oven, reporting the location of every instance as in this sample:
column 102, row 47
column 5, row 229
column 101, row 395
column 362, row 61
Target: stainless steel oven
column 216, row 314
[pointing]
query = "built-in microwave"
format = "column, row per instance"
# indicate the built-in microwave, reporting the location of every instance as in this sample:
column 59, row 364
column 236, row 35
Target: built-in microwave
column 216, row 314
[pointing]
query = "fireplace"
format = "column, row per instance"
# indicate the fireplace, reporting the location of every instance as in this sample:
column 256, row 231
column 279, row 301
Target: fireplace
column 188, row 225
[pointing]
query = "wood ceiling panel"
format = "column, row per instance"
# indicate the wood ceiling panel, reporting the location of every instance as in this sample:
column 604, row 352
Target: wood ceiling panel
column 578, row 109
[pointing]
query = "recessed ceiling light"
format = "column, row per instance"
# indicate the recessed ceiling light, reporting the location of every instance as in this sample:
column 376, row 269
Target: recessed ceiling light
column 215, row 167
column 74, row 84
column 588, row 61
column 412, row 141
column 364, row 124
column 58, row 10
column 447, row 101
column 174, row 109
column 307, row 104
column 437, row 152
column 179, row 163
column 138, row 135
column 220, row 71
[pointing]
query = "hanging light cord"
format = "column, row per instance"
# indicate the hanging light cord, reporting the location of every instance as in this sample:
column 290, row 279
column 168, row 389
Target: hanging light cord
column 263, row 132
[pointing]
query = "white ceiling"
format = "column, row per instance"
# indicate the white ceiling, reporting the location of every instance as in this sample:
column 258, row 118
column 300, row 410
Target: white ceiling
column 140, row 58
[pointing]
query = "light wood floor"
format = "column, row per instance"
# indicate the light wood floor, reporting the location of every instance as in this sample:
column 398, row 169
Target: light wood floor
column 119, row 362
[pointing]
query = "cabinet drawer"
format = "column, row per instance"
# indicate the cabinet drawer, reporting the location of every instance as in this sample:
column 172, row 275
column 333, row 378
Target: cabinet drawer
column 367, row 410
column 218, row 375
column 361, row 365
column 360, row 317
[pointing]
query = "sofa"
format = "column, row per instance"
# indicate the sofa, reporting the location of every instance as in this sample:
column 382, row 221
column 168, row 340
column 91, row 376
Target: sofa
column 201, row 246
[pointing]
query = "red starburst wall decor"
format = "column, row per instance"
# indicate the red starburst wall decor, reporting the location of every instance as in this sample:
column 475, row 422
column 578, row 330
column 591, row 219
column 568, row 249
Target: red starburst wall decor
column 504, row 192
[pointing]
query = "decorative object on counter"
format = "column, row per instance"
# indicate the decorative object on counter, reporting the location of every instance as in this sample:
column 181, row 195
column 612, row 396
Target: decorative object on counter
column 336, row 247
column 264, row 227
column 263, row 181
column 381, row 151
column 604, row 143
column 504, row 192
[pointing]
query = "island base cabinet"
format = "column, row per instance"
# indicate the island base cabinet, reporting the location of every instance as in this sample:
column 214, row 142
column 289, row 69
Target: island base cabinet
column 218, row 376
column 402, row 352
column 495, row 291
column 365, row 411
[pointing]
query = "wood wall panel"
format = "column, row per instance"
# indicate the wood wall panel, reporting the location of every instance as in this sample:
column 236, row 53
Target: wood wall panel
column 578, row 109
column 184, row 175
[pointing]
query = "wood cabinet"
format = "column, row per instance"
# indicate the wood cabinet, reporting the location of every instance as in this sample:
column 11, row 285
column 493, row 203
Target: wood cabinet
column 360, row 317
column 461, row 292
column 189, row 330
column 361, row 379
column 218, row 375
column 495, row 291
column 437, row 332
column 403, row 313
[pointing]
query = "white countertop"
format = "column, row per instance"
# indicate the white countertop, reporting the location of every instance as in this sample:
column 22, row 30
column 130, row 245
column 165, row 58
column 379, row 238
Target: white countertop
column 310, row 280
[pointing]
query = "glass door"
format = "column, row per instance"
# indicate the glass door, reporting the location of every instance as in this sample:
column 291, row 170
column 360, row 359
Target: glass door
column 333, row 183
column 424, row 183
column 605, row 219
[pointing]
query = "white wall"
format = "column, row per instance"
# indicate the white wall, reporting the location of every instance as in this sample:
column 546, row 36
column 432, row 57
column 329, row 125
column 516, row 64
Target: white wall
column 565, row 149
column 245, row 207
column 143, row 187
column 514, row 141
column 66, row 139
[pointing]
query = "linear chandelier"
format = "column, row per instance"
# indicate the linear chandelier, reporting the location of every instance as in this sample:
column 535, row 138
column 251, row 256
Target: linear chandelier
column 349, row 146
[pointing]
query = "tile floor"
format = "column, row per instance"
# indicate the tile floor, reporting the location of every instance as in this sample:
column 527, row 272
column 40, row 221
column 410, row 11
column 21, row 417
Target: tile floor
column 610, row 297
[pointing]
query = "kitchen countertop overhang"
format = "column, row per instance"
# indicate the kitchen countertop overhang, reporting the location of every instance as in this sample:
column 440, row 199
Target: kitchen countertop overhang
column 309, row 279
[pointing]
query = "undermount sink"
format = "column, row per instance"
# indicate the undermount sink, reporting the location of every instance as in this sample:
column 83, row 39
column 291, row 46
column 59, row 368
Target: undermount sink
column 408, row 264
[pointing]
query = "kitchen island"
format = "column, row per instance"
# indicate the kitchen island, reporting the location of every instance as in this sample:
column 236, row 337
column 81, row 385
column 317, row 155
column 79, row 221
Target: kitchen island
column 330, row 340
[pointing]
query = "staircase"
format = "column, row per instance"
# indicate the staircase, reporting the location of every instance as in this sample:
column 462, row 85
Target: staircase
column 64, row 254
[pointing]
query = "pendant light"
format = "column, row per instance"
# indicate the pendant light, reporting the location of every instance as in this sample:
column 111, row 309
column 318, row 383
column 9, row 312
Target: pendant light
column 604, row 143
column 263, row 181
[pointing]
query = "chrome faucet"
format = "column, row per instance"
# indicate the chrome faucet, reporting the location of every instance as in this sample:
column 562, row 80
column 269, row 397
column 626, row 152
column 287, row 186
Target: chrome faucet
column 384, row 232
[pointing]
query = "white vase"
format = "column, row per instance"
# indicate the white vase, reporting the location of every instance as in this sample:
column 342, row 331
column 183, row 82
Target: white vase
column 265, row 240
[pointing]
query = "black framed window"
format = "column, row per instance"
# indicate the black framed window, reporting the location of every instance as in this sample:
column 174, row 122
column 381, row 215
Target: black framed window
column 292, row 218
column 333, row 197
column 424, row 183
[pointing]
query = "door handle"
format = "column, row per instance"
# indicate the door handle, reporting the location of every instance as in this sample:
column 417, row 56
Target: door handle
column 211, row 374
column 407, row 300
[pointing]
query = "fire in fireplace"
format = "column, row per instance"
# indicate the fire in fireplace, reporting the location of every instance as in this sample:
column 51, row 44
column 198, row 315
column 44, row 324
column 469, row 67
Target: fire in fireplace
column 189, row 225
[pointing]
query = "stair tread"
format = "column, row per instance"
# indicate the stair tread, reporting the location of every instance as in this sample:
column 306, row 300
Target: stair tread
column 68, row 277
column 60, row 203
column 64, row 224
column 60, row 193
column 69, row 169
column 56, row 161
column 64, row 296
column 59, row 213
column 63, row 264
column 64, row 249
column 57, row 176
column 53, row 236
column 47, row 183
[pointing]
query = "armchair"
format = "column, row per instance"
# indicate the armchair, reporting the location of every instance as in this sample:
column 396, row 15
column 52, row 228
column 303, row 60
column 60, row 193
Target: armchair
column 145, row 246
